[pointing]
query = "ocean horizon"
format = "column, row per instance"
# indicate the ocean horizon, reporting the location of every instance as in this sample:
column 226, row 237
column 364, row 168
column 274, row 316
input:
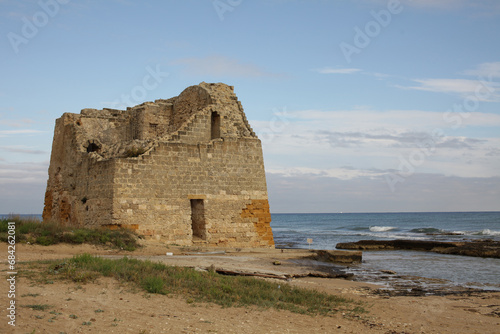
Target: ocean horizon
column 4, row 215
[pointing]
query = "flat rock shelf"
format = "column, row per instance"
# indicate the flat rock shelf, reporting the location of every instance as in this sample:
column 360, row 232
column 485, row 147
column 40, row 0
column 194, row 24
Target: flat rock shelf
column 480, row 248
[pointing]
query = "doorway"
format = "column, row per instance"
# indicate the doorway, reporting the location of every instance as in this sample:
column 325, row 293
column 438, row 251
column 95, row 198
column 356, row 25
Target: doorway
column 198, row 219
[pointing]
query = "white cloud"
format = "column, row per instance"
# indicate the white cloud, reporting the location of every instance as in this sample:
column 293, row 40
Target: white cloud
column 329, row 70
column 481, row 90
column 23, row 173
column 17, row 123
column 222, row 66
column 22, row 149
column 474, row 8
column 341, row 173
column 4, row 133
column 322, row 142
column 462, row 86
column 485, row 70
column 23, row 185
column 394, row 120
column 482, row 87
column 421, row 192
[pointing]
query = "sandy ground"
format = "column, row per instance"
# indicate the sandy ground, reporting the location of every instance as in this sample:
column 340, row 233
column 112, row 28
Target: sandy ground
column 107, row 306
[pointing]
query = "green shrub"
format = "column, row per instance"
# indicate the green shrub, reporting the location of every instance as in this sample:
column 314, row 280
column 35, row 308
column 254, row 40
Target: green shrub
column 154, row 284
column 4, row 226
column 49, row 233
column 27, row 227
column 38, row 307
column 45, row 240
column 85, row 259
column 4, row 237
column 104, row 238
column 79, row 236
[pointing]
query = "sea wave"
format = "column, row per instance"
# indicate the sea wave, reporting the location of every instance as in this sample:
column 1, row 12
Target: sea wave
column 487, row 231
column 427, row 230
column 358, row 228
column 382, row 228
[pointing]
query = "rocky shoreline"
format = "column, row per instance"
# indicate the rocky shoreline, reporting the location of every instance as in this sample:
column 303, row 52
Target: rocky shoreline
column 479, row 248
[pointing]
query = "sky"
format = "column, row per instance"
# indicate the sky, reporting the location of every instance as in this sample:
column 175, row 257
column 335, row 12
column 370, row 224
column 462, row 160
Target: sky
column 361, row 106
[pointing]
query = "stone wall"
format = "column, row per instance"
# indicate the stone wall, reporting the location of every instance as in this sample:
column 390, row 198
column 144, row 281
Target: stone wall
column 187, row 170
column 226, row 175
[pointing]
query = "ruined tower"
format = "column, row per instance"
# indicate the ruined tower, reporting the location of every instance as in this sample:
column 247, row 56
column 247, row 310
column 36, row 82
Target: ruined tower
column 186, row 170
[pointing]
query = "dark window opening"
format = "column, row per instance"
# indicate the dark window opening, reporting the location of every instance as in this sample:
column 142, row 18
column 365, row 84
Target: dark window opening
column 198, row 219
column 93, row 147
column 215, row 128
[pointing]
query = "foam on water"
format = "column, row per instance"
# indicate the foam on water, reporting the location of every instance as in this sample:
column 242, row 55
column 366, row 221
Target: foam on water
column 382, row 228
column 487, row 231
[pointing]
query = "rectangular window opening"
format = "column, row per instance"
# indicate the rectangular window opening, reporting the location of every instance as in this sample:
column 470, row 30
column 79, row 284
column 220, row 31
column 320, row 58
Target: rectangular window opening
column 215, row 125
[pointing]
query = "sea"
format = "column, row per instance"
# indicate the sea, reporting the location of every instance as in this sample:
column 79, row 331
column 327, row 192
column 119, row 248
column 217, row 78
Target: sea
column 324, row 231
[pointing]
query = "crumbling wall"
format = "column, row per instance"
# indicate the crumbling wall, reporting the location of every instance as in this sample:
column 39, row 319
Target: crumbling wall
column 79, row 187
column 189, row 102
column 151, row 120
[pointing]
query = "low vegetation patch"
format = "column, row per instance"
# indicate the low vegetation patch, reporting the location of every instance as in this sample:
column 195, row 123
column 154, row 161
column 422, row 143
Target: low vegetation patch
column 38, row 307
column 46, row 233
column 204, row 286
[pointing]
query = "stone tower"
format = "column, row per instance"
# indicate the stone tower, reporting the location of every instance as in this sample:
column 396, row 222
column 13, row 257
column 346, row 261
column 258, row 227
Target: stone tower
column 186, row 170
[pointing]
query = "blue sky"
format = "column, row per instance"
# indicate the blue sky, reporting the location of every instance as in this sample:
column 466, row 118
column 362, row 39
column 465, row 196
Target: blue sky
column 362, row 106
